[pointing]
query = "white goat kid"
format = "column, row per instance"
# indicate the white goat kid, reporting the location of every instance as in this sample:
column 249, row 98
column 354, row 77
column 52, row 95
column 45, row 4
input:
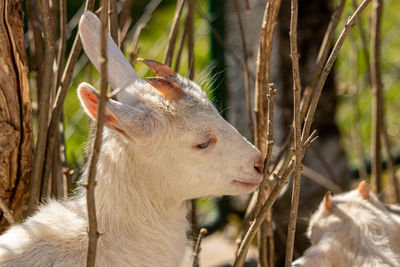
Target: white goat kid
column 353, row 229
column 164, row 144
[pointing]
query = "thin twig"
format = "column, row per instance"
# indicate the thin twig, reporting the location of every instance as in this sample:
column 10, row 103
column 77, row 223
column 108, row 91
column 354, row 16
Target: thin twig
column 172, row 34
column 197, row 249
column 180, row 48
column 6, row 212
column 390, row 165
column 322, row 56
column 113, row 20
column 321, row 180
column 190, row 39
column 92, row 168
column 263, row 66
column 261, row 91
column 281, row 180
column 298, row 154
column 44, row 105
column 377, row 97
column 245, row 67
column 363, row 36
column 328, row 66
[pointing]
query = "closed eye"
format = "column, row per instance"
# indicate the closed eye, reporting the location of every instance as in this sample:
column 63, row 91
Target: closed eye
column 204, row 145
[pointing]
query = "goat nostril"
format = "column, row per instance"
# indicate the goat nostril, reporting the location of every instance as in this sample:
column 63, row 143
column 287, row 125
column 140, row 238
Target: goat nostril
column 259, row 166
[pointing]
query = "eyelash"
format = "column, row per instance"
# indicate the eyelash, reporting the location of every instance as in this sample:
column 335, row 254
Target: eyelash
column 204, row 145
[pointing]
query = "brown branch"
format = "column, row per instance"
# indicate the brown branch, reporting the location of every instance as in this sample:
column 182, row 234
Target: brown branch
column 172, row 34
column 6, row 212
column 363, row 36
column 190, row 39
column 245, row 67
column 377, row 97
column 92, row 168
column 180, row 48
column 281, row 178
column 113, row 20
column 44, row 105
column 196, row 252
column 390, row 165
column 322, row 56
column 298, row 154
column 328, row 66
column 263, row 66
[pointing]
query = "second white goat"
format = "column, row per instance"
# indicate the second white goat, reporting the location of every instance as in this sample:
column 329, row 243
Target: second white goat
column 353, row 229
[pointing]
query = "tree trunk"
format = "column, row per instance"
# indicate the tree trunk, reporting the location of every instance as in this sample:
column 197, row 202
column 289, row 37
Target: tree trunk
column 16, row 153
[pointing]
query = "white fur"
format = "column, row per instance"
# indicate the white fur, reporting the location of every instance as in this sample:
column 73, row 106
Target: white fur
column 144, row 177
column 357, row 232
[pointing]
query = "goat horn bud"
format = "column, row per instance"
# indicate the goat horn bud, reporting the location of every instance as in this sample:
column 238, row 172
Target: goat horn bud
column 328, row 201
column 159, row 69
column 363, row 189
column 168, row 88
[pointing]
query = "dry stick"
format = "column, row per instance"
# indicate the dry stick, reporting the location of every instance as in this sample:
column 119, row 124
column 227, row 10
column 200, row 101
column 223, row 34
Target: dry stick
column 298, row 154
column 113, row 20
column 328, row 66
column 390, row 164
column 363, row 38
column 172, row 34
column 356, row 133
column 92, row 168
column 190, row 39
column 196, row 252
column 6, row 212
column 377, row 97
column 263, row 66
column 261, row 90
column 44, row 106
column 281, row 180
column 322, row 56
column 63, row 87
column 180, row 48
column 286, row 171
column 245, row 67
column 190, row 34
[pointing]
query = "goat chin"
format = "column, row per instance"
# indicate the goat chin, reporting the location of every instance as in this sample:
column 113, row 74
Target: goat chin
column 164, row 143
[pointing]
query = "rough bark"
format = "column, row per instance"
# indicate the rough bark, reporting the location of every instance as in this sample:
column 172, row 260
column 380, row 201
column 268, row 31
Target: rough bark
column 16, row 153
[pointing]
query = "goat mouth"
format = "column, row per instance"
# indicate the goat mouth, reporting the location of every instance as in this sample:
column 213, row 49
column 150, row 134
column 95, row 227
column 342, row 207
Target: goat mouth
column 248, row 185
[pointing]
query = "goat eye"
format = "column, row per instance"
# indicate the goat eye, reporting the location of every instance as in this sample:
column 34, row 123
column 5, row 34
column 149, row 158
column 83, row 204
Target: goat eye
column 204, row 145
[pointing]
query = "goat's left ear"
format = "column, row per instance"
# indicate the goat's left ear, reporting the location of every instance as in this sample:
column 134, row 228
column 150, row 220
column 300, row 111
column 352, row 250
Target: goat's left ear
column 127, row 120
column 363, row 189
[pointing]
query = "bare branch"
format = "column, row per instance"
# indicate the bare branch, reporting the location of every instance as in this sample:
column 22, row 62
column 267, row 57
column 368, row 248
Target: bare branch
column 172, row 34
column 196, row 252
column 113, row 20
column 377, row 97
column 298, row 153
column 245, row 67
column 92, row 168
column 190, row 39
column 44, row 105
column 328, row 66
column 6, row 212
column 322, row 56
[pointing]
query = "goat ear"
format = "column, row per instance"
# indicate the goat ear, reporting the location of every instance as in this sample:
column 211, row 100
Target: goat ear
column 127, row 120
column 120, row 73
column 168, row 88
column 363, row 189
column 320, row 255
column 328, row 201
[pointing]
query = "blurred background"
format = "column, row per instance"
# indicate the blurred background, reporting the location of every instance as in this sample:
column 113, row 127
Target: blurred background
column 226, row 39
